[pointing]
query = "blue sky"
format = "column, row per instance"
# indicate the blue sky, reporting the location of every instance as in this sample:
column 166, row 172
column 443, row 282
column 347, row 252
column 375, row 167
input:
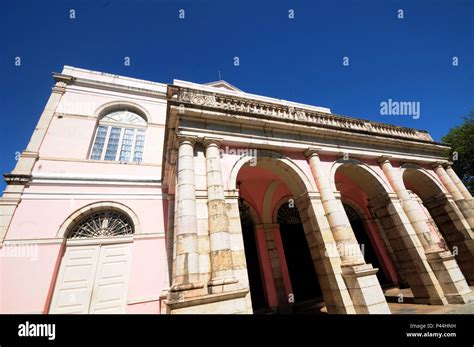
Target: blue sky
column 298, row 59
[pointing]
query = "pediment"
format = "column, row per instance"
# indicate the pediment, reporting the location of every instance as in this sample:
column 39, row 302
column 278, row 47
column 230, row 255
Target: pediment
column 223, row 85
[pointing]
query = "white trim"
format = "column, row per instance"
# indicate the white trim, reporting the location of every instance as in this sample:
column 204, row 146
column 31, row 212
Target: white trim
column 99, row 241
column 149, row 236
column 66, row 176
column 114, row 79
column 67, row 194
column 96, row 197
column 120, row 143
column 33, row 241
column 59, row 240
column 143, row 299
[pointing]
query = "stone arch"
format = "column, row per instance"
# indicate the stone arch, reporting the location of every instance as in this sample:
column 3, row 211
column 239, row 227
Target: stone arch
column 433, row 186
column 282, row 164
column 443, row 213
column 267, row 202
column 366, row 171
column 122, row 104
column 304, row 191
column 356, row 207
column 95, row 207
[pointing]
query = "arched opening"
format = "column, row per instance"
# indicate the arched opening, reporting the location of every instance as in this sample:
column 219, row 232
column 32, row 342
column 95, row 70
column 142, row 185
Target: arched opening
column 284, row 255
column 442, row 216
column 358, row 186
column 304, row 281
column 93, row 276
column 368, row 247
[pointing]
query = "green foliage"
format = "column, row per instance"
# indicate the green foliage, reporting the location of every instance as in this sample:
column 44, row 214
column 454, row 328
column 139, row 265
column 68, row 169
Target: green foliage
column 461, row 139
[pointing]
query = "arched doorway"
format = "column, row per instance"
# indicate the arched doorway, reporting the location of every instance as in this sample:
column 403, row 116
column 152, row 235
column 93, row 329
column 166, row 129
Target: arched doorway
column 359, row 186
column 94, row 271
column 304, row 280
column 283, row 246
column 367, row 245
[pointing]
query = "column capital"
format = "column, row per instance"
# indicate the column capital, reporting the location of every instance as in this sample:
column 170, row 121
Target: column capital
column 180, row 139
column 447, row 164
column 212, row 141
column 383, row 158
column 312, row 151
column 62, row 81
column 437, row 164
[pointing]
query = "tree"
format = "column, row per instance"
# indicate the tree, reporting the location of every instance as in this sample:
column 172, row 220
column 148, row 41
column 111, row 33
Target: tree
column 461, row 139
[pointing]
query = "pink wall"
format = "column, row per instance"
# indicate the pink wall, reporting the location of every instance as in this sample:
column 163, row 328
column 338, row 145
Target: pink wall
column 147, row 276
column 26, row 286
column 26, row 282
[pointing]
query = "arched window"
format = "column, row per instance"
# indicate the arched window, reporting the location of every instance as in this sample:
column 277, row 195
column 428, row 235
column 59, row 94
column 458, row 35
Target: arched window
column 120, row 137
column 102, row 224
column 288, row 214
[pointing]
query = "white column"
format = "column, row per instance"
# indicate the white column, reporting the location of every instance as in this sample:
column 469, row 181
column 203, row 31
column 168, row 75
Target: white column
column 340, row 226
column 219, row 238
column 459, row 184
column 458, row 197
column 186, row 262
column 411, row 207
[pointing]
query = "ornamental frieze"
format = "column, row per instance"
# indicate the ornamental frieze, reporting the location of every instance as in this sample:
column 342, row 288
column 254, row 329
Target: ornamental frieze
column 288, row 113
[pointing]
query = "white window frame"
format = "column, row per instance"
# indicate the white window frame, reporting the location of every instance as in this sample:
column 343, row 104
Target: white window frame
column 123, row 127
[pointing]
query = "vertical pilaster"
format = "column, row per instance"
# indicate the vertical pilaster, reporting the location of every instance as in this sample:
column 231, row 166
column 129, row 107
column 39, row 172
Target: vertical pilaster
column 219, row 238
column 20, row 176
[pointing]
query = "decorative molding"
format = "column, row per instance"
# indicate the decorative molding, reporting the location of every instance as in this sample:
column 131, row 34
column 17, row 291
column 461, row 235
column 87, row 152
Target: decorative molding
column 17, row 179
column 182, row 96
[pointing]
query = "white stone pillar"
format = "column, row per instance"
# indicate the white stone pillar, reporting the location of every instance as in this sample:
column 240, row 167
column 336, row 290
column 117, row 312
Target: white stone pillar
column 457, row 181
column 186, row 262
column 361, row 281
column 442, row 262
column 219, row 239
column 411, row 207
column 340, row 226
column 458, row 197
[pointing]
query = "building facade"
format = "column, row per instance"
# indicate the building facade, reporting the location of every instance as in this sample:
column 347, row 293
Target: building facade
column 141, row 197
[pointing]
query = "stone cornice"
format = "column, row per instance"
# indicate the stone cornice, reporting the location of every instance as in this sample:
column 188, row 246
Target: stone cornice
column 17, row 179
column 207, row 100
column 63, row 80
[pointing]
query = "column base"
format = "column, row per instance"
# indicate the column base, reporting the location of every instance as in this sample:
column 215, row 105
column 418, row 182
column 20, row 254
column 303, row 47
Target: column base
column 179, row 292
column 224, row 303
column 431, row 301
column 221, row 285
column 364, row 289
column 450, row 277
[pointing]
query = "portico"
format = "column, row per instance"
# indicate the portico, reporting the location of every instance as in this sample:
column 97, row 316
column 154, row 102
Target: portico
column 269, row 166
